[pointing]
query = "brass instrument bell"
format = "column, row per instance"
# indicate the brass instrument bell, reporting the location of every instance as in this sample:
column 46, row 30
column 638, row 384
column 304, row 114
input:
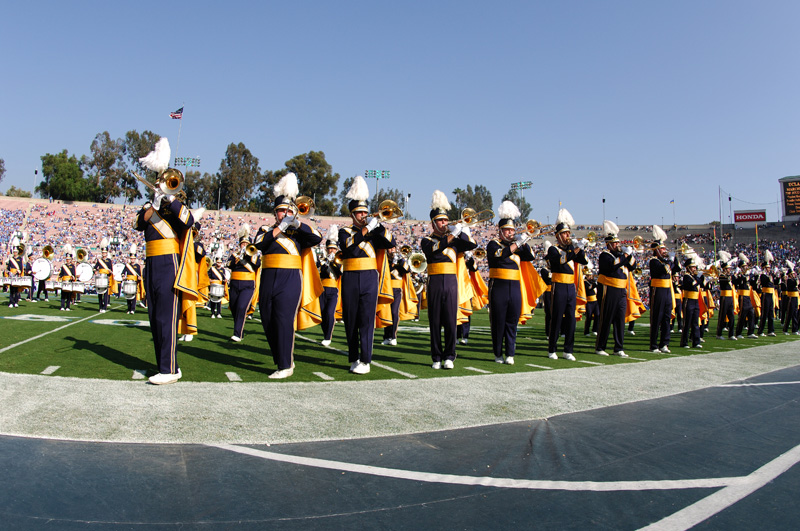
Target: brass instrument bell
column 388, row 211
column 417, row 262
column 405, row 250
column 47, row 252
column 304, row 206
column 479, row 253
column 80, row 255
column 470, row 217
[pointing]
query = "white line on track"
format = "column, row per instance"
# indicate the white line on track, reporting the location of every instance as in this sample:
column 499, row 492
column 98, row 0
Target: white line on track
column 538, row 366
column 51, row 369
column 324, row 376
column 138, row 374
column 475, row 369
column 233, row 377
column 757, row 384
column 506, row 483
column 374, row 363
column 590, row 362
column 50, row 332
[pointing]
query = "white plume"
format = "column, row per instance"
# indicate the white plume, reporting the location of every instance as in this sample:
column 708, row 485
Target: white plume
column 14, row 242
column 508, row 210
column 439, row 200
column 133, row 249
column 725, row 256
column 158, row 159
column 244, row 232
column 768, row 256
column 287, row 186
column 333, row 232
column 565, row 217
column 610, row 227
column 197, row 213
column 359, row 191
column 104, row 242
column 67, row 248
column 743, row 259
column 589, row 264
column 659, row 234
column 547, row 245
column 790, row 264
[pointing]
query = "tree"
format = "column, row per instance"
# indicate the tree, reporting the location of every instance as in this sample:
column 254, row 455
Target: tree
column 201, row 190
column 238, row 174
column 479, row 198
column 522, row 204
column 2, row 169
column 383, row 194
column 63, row 178
column 315, row 178
column 17, row 192
column 137, row 146
column 106, row 167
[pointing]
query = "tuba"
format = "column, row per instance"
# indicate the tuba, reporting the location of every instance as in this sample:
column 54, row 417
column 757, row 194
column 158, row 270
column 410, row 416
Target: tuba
column 47, row 252
column 417, row 262
column 80, row 255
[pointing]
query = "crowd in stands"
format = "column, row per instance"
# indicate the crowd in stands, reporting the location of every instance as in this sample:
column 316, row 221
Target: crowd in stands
column 85, row 225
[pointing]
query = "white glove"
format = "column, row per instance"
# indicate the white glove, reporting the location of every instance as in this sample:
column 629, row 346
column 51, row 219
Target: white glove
column 293, row 221
column 284, row 224
column 577, row 244
column 627, row 250
column 372, row 224
column 465, row 230
column 522, row 238
column 157, row 200
column 455, row 230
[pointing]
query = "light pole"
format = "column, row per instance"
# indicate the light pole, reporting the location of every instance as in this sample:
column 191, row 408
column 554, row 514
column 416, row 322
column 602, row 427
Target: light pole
column 377, row 175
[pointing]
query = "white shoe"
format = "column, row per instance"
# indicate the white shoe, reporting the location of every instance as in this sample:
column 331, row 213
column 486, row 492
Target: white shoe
column 11, row 306
column 621, row 354
column 17, row 306
column 753, row 336
column 553, row 356
column 721, row 338
column 188, row 337
column 354, row 365
column 163, row 378
column 594, row 333
column 498, row 360
column 631, row 332
column 62, row 309
column 771, row 334
column 361, row 368
column 734, row 338
column 236, row 338
column 448, row 364
column 182, row 338
column 437, row 365
column 394, row 342
column 665, row 349
column 179, row 374
column 510, row 360
column 702, row 340
column 568, row 356
column 656, row 351
column 280, row 374
column 325, row 342
column 601, row 352
column 386, row 342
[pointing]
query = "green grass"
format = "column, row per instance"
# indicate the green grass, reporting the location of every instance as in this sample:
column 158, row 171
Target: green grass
column 81, row 347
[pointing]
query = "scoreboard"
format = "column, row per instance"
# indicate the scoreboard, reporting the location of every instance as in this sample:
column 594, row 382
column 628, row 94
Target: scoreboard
column 791, row 197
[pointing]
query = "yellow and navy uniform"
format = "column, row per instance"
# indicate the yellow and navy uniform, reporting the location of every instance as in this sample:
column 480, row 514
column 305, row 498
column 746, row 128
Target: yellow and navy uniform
column 505, row 294
column 216, row 275
column 359, row 286
column 563, row 295
column 163, row 231
column 767, row 303
column 329, row 274
column 441, row 253
column 242, row 288
column 399, row 269
column 281, row 285
column 104, row 266
column 727, row 306
column 790, row 313
column 691, row 286
column 14, row 268
column 592, row 308
column 66, row 274
column 613, row 269
column 131, row 273
column 662, row 301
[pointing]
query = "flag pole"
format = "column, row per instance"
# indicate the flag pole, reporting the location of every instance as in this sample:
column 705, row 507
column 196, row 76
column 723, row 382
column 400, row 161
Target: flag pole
column 180, row 127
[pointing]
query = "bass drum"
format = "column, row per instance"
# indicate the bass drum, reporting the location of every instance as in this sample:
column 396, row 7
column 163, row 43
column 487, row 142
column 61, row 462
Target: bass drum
column 118, row 269
column 41, row 269
column 84, row 272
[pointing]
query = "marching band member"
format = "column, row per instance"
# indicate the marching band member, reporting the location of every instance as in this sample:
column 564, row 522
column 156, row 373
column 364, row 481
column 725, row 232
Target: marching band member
column 66, row 274
column 562, row 258
column 614, row 266
column 547, row 296
column 29, row 273
column 592, row 309
column 329, row 272
column 14, row 268
column 462, row 330
column 281, row 286
column 767, row 297
column 505, row 255
column 41, row 285
column 132, row 273
column 662, row 297
column 202, row 280
column 216, row 275
column 242, row 286
column 790, row 315
column 441, row 250
column 168, row 267
column 365, row 275
column 678, row 294
column 104, row 266
column 398, row 270
column 690, row 287
column 727, row 298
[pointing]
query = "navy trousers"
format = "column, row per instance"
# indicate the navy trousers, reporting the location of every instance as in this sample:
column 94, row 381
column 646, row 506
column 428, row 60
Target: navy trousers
column 279, row 300
column 725, row 316
column 767, row 314
column 505, row 305
column 747, row 316
column 443, row 313
column 327, row 303
column 241, row 293
column 562, row 316
column 163, row 307
column 660, row 317
column 613, row 303
column 359, row 303
column 390, row 332
column 691, row 322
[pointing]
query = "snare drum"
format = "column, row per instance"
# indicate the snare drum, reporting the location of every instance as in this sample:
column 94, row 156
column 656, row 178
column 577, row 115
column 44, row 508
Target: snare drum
column 216, row 292
column 101, row 283
column 6, row 281
column 129, row 289
column 50, row 285
column 78, row 287
column 22, row 282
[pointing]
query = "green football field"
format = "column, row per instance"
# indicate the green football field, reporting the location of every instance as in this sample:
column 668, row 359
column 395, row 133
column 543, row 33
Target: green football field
column 37, row 338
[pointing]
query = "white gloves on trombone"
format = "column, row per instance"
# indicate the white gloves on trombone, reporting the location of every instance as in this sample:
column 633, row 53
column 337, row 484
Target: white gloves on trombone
column 372, row 224
column 579, row 244
column 465, row 230
column 288, row 221
column 522, row 238
column 456, row 229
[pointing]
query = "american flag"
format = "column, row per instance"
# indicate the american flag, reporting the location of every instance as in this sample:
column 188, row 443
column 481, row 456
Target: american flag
column 177, row 115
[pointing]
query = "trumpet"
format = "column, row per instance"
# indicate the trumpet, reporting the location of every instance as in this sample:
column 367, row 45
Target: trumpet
column 479, row 253
column 637, row 273
column 304, row 206
column 469, row 217
column 417, row 262
column 388, row 211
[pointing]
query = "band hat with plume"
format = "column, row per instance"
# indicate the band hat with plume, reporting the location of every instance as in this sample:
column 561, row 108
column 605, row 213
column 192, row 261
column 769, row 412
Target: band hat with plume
column 358, row 195
column 132, row 250
column 68, row 250
column 244, row 233
column 612, row 231
column 158, row 159
column 659, row 238
column 104, row 244
column 768, row 258
column 333, row 237
column 725, row 258
column 285, row 190
column 743, row 260
column 508, row 212
column 439, row 205
column 564, row 221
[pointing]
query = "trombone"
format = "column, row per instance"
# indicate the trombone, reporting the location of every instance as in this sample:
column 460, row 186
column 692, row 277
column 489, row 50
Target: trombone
column 388, row 211
column 169, row 182
column 470, row 217
column 304, row 206
column 531, row 226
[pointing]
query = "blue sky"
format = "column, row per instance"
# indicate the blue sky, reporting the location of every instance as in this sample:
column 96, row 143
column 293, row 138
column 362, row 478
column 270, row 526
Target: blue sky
column 639, row 102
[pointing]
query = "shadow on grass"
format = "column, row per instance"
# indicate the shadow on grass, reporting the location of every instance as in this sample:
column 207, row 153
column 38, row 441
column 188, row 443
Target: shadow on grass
column 113, row 355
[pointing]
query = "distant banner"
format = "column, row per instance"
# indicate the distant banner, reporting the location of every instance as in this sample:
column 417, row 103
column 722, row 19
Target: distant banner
column 750, row 216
